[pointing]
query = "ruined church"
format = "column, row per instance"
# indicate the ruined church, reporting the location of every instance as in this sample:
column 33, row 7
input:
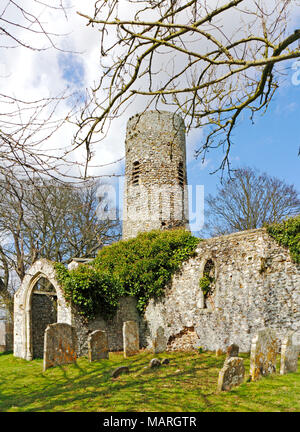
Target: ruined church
column 256, row 284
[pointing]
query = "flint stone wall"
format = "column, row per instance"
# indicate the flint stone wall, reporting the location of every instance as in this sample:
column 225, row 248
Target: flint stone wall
column 43, row 313
column 127, row 311
column 257, row 286
column 155, row 141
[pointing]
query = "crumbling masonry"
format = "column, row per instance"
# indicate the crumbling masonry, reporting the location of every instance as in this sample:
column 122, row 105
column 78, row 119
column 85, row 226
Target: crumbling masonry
column 256, row 283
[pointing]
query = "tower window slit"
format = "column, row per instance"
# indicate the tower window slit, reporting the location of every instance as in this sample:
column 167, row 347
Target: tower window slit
column 180, row 174
column 135, row 173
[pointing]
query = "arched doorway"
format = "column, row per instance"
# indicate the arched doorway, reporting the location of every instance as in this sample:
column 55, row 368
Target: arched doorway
column 38, row 302
column 43, row 313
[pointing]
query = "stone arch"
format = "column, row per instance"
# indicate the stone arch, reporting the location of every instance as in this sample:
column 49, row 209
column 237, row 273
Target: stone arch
column 42, row 268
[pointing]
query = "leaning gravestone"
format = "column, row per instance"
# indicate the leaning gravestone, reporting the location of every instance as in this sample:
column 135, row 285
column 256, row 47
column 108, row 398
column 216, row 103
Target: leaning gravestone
column 130, row 338
column 232, row 351
column 97, row 345
column 232, row 374
column 60, row 345
column 160, row 341
column 264, row 349
column 289, row 355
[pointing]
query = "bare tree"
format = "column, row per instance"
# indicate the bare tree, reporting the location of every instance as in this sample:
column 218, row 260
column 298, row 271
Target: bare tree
column 248, row 201
column 27, row 125
column 210, row 61
column 41, row 218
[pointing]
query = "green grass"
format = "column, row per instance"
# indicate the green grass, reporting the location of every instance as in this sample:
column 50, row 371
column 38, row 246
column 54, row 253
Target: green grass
column 188, row 383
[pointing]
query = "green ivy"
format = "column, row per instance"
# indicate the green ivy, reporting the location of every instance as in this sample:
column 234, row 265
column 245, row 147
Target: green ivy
column 287, row 233
column 205, row 284
column 140, row 267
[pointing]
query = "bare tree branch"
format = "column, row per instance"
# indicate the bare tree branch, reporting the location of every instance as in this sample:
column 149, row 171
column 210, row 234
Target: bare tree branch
column 188, row 56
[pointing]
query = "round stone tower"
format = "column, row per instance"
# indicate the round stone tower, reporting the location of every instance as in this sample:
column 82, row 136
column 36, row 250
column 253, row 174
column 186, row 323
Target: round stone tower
column 155, row 194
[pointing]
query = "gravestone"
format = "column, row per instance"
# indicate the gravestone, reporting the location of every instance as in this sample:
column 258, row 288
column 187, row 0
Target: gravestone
column 232, row 351
column 119, row 370
column 289, row 355
column 160, row 341
column 97, row 345
column 232, row 374
column 264, row 349
column 6, row 336
column 130, row 338
column 154, row 363
column 60, row 345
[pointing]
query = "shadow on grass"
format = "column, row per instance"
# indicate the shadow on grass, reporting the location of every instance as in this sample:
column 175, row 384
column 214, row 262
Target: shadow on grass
column 72, row 387
column 188, row 383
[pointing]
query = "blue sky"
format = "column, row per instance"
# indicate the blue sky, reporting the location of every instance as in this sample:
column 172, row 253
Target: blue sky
column 271, row 144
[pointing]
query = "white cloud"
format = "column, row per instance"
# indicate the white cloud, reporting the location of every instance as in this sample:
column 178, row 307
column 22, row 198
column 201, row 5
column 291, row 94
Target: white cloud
column 32, row 75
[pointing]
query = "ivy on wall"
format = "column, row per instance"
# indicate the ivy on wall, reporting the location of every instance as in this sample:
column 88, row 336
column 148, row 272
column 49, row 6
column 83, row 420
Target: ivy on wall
column 287, row 233
column 140, row 267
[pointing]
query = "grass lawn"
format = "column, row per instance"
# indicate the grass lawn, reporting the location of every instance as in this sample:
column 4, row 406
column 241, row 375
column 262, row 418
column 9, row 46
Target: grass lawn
column 187, row 383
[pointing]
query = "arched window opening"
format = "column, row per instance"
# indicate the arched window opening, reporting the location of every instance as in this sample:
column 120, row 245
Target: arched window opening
column 43, row 313
column 207, row 283
column 180, row 174
column 135, row 173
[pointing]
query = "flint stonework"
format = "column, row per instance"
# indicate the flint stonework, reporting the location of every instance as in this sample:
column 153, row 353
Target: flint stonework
column 244, row 298
column 232, row 374
column 289, row 355
column 60, row 345
column 263, row 354
column 97, row 345
column 130, row 338
column 155, row 173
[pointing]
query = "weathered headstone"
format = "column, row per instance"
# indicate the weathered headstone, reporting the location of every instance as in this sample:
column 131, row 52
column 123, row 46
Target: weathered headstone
column 232, row 374
column 60, row 345
column 130, row 338
column 119, row 370
column 6, row 336
column 160, row 341
column 289, row 355
column 154, row 363
column 232, row 351
column 97, row 345
column 264, row 349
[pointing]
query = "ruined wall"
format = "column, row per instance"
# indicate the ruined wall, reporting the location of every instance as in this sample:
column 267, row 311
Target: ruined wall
column 155, row 196
column 256, row 286
column 24, row 315
column 127, row 312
